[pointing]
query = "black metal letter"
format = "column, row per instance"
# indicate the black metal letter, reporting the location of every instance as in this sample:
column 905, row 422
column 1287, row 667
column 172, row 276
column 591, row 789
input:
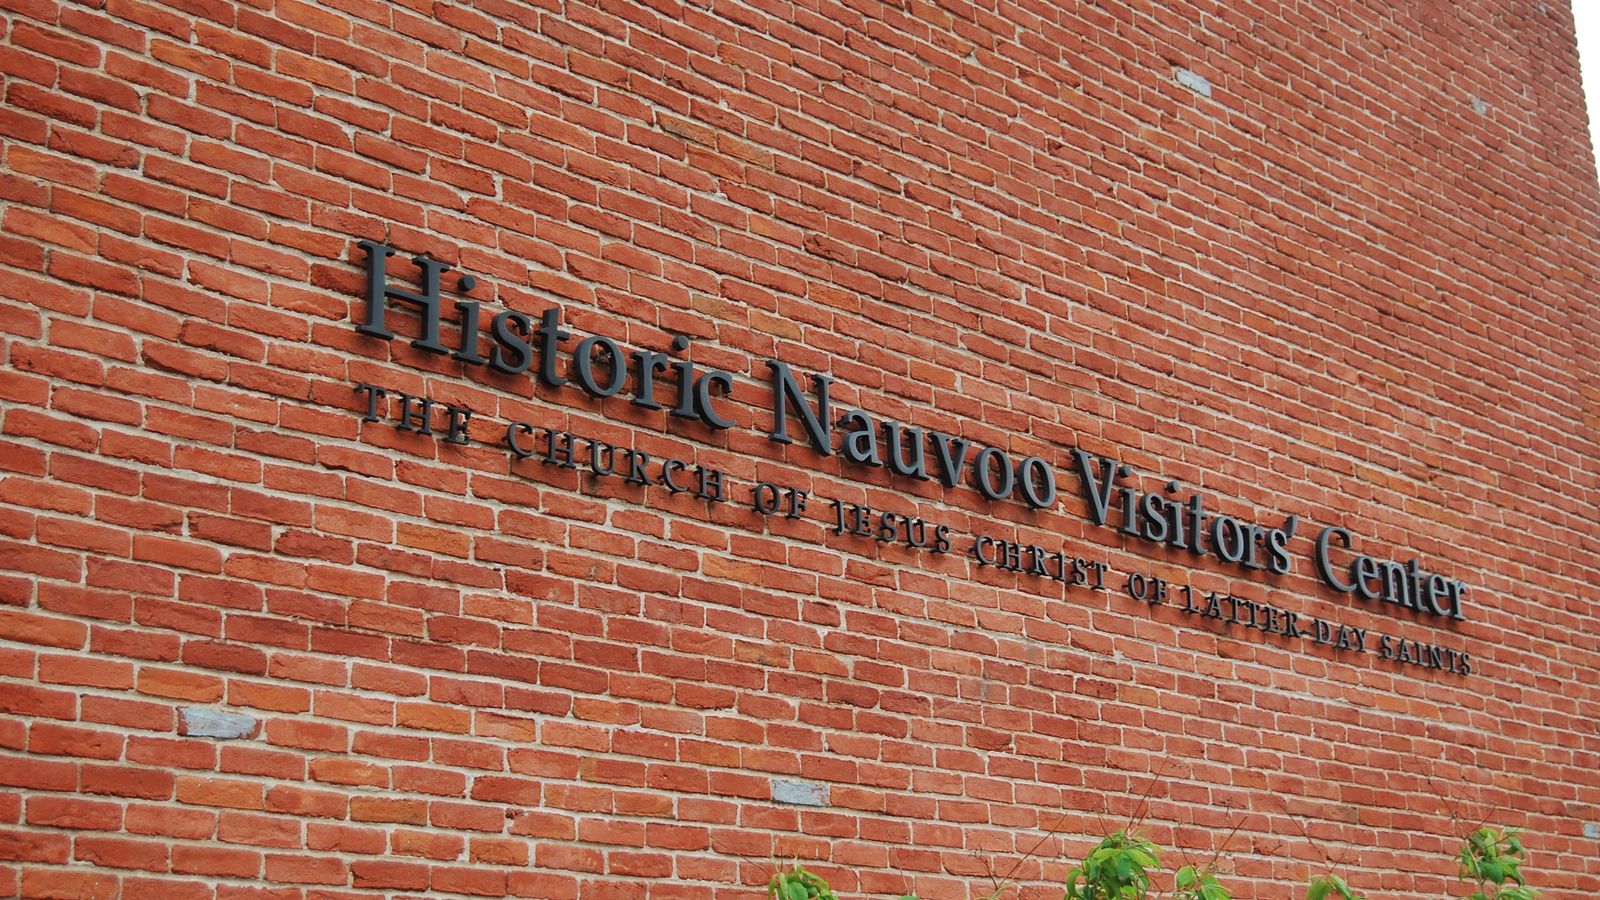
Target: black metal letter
column 1324, row 564
column 379, row 291
column 785, row 391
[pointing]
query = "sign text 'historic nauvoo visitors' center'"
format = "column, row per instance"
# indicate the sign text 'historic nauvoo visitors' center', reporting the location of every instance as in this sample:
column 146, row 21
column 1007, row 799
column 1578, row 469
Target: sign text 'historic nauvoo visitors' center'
column 511, row 342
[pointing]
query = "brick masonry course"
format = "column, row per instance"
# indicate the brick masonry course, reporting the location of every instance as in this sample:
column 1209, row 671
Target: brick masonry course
column 1334, row 261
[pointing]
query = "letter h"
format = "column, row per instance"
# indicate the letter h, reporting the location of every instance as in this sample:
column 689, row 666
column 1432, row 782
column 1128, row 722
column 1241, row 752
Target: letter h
column 379, row 291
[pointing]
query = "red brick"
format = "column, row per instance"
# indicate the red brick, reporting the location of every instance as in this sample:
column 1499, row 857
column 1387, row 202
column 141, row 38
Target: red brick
column 66, row 812
column 188, row 824
column 63, row 740
column 120, row 853
column 52, row 884
column 176, row 889
column 125, row 781
column 216, row 861
column 183, row 754
column 389, row 875
column 222, row 792
column 1296, row 294
column 307, row 870
column 321, row 804
column 102, row 673
column 42, row 630
column 179, row 685
column 32, row 846
column 259, row 831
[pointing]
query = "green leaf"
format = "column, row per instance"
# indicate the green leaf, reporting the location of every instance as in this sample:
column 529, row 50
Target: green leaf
column 1214, row 891
column 1186, row 876
column 1319, row 889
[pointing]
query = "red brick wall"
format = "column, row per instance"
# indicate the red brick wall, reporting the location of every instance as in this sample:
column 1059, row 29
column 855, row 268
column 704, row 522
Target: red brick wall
column 1355, row 284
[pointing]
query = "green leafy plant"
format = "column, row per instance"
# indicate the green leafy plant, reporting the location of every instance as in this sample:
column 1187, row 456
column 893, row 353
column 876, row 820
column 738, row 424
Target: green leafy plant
column 798, row 884
column 1198, row 883
column 1330, row 885
column 1117, row 869
column 1491, row 857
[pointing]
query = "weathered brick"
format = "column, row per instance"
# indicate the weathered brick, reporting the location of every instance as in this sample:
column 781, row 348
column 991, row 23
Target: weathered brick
column 1334, row 262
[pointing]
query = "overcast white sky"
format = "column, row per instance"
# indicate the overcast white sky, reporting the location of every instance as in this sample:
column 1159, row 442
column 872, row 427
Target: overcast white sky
column 1587, row 13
